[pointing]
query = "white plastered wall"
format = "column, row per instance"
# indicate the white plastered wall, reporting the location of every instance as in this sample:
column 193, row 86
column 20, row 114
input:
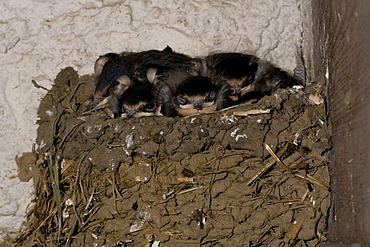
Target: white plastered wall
column 40, row 37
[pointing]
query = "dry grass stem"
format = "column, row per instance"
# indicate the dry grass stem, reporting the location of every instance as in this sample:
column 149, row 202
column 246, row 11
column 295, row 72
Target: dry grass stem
column 313, row 180
column 277, row 159
column 294, row 229
column 267, row 166
column 189, row 190
column 251, row 112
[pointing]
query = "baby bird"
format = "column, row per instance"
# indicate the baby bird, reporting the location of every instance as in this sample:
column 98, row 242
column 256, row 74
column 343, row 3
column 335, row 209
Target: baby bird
column 247, row 77
column 235, row 70
column 269, row 78
column 137, row 101
column 185, row 94
column 115, row 73
column 100, row 62
column 164, row 82
column 110, row 67
column 196, row 94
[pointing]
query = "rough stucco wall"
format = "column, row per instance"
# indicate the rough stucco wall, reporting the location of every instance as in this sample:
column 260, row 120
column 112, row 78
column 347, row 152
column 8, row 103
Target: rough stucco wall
column 38, row 38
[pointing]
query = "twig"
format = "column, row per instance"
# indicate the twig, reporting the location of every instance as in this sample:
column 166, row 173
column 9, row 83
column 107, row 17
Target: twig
column 313, row 180
column 75, row 185
column 93, row 110
column 38, row 86
column 267, row 166
column 189, row 190
column 297, row 176
column 251, row 112
column 277, row 159
column 74, row 127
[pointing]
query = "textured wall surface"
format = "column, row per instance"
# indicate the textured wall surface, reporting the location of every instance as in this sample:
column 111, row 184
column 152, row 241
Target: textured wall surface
column 40, row 37
column 342, row 51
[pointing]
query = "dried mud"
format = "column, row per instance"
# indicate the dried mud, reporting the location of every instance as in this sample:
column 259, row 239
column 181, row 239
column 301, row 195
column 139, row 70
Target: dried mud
column 177, row 181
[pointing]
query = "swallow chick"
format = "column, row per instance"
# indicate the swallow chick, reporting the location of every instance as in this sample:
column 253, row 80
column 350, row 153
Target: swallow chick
column 135, row 65
column 196, row 94
column 184, row 94
column 247, row 77
column 100, row 62
column 109, row 98
column 115, row 73
column 234, row 70
column 109, row 70
column 165, row 64
column 137, row 101
column 269, row 78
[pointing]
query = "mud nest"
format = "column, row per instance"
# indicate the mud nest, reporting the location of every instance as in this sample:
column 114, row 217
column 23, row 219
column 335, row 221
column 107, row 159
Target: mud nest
column 253, row 175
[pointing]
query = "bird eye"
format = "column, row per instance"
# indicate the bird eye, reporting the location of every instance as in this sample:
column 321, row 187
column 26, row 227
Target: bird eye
column 246, row 83
column 233, row 91
column 211, row 97
column 182, row 100
column 150, row 107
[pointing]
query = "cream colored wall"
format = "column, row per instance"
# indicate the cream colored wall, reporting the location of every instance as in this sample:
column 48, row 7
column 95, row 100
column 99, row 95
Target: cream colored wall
column 40, row 37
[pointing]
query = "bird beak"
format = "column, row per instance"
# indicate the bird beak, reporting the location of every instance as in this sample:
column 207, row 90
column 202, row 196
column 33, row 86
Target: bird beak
column 188, row 106
column 144, row 114
column 208, row 104
column 104, row 102
column 247, row 89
